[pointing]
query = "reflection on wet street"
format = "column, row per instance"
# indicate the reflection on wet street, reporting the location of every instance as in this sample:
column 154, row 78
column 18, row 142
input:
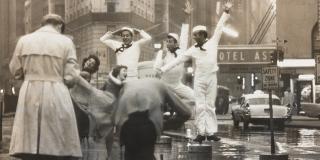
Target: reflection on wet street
column 237, row 144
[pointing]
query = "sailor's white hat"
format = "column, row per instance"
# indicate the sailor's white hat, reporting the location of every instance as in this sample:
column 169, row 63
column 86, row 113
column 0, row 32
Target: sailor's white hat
column 127, row 29
column 199, row 28
column 174, row 35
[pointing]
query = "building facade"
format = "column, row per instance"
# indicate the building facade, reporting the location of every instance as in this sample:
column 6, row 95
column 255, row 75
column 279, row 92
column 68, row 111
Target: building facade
column 297, row 23
column 255, row 22
column 11, row 28
column 36, row 9
column 88, row 20
column 301, row 16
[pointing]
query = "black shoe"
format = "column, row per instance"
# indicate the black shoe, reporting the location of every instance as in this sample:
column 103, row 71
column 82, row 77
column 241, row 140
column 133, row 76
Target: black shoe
column 199, row 139
column 213, row 138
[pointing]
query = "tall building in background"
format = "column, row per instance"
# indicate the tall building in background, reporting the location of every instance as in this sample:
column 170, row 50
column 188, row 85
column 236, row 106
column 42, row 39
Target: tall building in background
column 299, row 27
column 88, row 20
column 169, row 18
column 255, row 21
column 36, row 9
column 11, row 28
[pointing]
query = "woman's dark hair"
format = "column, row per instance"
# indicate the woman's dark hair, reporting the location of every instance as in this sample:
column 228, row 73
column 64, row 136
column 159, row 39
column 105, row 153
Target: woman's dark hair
column 116, row 70
column 96, row 66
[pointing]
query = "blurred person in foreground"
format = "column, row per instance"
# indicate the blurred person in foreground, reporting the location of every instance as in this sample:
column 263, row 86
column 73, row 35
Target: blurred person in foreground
column 45, row 124
column 139, row 116
column 204, row 52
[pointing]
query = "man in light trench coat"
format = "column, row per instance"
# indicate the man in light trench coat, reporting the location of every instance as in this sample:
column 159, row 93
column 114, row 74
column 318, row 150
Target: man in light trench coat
column 45, row 125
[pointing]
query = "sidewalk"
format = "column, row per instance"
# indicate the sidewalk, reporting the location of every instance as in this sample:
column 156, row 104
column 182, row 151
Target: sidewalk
column 297, row 121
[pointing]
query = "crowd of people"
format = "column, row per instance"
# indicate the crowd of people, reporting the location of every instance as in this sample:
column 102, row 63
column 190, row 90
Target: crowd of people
column 60, row 115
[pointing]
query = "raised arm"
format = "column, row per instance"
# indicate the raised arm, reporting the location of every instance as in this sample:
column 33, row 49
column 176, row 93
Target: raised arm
column 184, row 35
column 180, row 59
column 107, row 40
column 145, row 36
column 158, row 63
column 219, row 28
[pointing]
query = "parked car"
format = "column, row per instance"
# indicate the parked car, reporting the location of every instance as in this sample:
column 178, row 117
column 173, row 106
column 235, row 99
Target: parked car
column 254, row 108
column 311, row 109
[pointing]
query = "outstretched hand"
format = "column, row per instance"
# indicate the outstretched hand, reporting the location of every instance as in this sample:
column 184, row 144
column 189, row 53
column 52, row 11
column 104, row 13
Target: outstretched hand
column 158, row 73
column 227, row 6
column 188, row 8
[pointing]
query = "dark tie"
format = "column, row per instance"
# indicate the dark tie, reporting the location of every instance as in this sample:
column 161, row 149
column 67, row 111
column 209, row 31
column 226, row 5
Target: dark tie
column 174, row 51
column 123, row 46
column 200, row 46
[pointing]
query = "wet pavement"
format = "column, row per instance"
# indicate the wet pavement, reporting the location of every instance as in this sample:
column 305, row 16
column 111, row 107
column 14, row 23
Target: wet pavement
column 238, row 144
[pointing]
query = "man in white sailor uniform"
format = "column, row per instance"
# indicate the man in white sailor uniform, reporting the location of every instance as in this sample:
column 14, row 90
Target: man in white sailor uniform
column 128, row 51
column 174, row 76
column 204, row 52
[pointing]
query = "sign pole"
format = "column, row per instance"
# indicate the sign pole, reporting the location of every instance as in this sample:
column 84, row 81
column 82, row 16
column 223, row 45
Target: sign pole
column 270, row 82
column 271, row 122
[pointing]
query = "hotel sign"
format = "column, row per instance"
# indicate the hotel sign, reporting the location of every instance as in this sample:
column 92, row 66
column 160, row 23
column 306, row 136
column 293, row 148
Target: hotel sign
column 249, row 54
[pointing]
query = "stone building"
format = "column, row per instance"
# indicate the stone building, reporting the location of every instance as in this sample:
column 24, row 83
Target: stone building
column 88, row 20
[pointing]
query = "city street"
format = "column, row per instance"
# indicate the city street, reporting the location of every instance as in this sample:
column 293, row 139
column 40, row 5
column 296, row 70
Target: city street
column 298, row 143
column 300, row 139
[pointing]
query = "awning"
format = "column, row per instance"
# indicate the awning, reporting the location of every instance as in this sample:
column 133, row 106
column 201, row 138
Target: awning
column 297, row 63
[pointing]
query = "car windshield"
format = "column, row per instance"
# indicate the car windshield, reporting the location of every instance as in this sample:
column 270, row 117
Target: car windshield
column 263, row 101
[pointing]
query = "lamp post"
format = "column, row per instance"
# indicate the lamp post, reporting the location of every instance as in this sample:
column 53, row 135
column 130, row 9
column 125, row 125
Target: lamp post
column 1, row 109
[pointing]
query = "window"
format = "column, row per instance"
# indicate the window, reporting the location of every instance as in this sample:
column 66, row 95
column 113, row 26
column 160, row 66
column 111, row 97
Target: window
column 111, row 7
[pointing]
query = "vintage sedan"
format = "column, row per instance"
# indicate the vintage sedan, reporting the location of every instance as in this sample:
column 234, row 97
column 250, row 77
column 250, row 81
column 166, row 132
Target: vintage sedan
column 254, row 108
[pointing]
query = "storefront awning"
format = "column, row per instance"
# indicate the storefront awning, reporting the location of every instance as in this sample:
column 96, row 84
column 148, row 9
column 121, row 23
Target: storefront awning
column 297, row 63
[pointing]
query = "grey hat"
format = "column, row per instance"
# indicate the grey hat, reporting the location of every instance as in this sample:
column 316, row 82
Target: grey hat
column 52, row 18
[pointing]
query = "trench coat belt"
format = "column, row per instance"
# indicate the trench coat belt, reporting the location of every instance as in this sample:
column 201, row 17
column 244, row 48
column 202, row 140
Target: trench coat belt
column 43, row 78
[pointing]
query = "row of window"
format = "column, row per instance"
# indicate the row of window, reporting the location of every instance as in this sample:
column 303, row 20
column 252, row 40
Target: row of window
column 144, row 14
column 77, row 13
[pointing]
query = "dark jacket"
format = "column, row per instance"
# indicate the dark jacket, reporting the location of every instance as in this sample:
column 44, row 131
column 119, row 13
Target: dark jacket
column 150, row 95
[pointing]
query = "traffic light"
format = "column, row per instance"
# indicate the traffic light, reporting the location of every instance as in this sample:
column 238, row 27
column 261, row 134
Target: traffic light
column 280, row 55
column 274, row 57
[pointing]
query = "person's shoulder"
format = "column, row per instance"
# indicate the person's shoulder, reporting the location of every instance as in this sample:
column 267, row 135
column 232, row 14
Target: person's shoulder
column 27, row 37
column 65, row 38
